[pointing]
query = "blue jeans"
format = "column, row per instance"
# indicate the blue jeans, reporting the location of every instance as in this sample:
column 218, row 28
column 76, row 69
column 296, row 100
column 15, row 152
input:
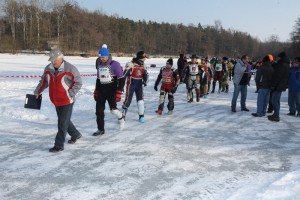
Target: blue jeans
column 237, row 90
column 294, row 102
column 64, row 125
column 262, row 101
column 276, row 102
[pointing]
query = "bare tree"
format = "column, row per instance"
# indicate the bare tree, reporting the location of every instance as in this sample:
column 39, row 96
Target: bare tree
column 38, row 6
column 295, row 38
column 59, row 9
column 11, row 10
column 23, row 14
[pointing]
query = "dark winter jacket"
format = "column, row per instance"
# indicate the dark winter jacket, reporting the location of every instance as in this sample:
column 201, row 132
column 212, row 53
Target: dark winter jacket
column 281, row 74
column 294, row 80
column 181, row 62
column 264, row 75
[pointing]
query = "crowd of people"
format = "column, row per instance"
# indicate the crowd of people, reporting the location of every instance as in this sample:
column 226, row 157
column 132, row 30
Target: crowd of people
column 272, row 78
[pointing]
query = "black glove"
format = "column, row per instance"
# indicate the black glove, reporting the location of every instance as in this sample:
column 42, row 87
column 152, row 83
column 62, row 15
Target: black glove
column 174, row 89
column 185, row 80
column 155, row 87
column 272, row 88
column 144, row 83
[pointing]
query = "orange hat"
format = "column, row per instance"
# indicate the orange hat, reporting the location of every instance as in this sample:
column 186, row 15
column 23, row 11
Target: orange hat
column 271, row 57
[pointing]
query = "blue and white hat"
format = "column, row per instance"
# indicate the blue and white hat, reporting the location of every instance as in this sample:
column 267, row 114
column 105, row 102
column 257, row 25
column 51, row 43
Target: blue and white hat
column 103, row 52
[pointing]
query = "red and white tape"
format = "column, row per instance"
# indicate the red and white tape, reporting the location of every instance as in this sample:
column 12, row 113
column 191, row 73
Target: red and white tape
column 38, row 76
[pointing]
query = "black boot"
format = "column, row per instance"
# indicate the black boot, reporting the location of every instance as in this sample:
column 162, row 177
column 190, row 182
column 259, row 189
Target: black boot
column 198, row 95
column 214, row 86
column 190, row 96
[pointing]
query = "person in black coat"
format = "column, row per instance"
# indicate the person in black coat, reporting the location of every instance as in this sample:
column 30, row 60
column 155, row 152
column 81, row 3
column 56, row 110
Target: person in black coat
column 263, row 83
column 279, row 83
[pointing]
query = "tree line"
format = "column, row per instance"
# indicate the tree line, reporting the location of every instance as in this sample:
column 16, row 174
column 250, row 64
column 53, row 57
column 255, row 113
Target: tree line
column 39, row 24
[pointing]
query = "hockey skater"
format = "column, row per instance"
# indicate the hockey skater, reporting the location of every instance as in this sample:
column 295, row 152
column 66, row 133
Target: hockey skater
column 170, row 81
column 136, row 77
column 193, row 78
column 225, row 77
column 206, row 77
column 109, row 86
column 218, row 75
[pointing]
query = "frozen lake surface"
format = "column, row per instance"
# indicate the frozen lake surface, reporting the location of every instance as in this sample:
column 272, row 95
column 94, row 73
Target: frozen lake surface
column 202, row 151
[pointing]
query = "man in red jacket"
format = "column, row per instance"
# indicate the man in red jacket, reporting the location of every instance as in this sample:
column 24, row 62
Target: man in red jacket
column 64, row 82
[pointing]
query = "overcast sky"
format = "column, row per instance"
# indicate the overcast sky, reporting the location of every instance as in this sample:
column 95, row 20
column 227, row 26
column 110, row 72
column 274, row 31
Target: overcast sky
column 260, row 18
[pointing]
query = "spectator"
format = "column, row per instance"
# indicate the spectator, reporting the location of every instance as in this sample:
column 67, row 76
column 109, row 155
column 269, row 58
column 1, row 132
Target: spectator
column 279, row 83
column 206, row 78
column 181, row 63
column 240, row 80
column 64, row 82
column 258, row 68
column 294, row 88
column 263, row 83
column 225, row 77
column 230, row 68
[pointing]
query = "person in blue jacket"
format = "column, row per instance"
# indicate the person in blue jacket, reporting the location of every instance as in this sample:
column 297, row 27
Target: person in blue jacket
column 294, row 88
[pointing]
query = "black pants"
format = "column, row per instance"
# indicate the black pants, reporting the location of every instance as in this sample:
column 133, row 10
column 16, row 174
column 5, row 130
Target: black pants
column 106, row 93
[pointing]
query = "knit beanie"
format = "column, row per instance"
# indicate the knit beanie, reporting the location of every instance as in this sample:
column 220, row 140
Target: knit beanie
column 170, row 61
column 103, row 52
column 282, row 54
column 271, row 57
column 266, row 58
column 141, row 55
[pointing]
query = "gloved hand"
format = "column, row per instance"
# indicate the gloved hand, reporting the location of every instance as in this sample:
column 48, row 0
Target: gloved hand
column 174, row 89
column 155, row 87
column 118, row 95
column 272, row 88
column 96, row 95
column 185, row 80
column 144, row 83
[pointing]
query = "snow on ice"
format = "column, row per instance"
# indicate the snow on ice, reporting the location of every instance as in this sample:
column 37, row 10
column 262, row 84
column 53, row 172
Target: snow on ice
column 202, row 151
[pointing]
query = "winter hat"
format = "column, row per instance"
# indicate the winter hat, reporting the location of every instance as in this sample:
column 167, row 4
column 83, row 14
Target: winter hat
column 141, row 55
column 296, row 60
column 271, row 57
column 170, row 61
column 194, row 56
column 104, row 46
column 55, row 54
column 282, row 54
column 103, row 52
column 266, row 58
